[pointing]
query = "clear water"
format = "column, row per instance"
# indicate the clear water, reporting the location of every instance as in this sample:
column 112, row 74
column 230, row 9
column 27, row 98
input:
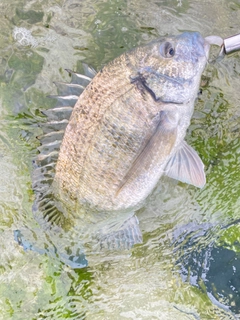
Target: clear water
column 181, row 225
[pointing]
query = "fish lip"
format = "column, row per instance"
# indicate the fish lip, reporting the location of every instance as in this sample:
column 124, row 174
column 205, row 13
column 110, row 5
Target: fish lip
column 206, row 48
column 212, row 40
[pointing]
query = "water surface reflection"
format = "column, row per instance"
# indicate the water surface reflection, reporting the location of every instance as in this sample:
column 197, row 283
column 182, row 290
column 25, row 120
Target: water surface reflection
column 146, row 282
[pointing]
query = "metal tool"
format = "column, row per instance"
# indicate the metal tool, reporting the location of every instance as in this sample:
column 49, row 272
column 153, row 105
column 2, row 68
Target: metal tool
column 231, row 44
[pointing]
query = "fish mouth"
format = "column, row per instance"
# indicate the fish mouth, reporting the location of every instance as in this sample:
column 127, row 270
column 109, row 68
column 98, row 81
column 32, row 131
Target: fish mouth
column 212, row 40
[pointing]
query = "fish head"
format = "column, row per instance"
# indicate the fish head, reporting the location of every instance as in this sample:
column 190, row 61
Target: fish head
column 170, row 68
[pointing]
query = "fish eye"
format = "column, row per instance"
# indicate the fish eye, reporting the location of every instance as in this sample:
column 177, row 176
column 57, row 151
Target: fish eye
column 167, row 50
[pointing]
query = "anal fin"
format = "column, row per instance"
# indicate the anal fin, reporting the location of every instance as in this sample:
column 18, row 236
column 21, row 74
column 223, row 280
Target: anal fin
column 128, row 235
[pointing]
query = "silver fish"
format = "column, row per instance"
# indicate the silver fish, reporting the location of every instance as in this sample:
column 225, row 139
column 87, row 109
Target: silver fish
column 126, row 129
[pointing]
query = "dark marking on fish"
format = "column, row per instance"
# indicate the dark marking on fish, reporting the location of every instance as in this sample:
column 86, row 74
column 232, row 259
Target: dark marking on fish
column 141, row 84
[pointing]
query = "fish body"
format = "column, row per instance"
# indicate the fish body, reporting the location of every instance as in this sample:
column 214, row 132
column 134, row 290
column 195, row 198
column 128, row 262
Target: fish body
column 111, row 137
column 129, row 122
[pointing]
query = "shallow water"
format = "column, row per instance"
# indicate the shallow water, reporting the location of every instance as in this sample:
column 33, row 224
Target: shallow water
column 181, row 225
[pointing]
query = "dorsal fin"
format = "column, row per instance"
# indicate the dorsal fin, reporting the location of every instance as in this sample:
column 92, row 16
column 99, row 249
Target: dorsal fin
column 64, row 101
column 79, row 78
column 89, row 71
column 65, row 89
column 53, row 131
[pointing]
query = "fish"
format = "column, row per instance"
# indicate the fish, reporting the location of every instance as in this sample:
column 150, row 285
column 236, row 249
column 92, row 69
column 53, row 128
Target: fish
column 130, row 122
column 115, row 133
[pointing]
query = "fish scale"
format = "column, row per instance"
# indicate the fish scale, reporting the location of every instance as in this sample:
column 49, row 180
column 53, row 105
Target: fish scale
column 126, row 147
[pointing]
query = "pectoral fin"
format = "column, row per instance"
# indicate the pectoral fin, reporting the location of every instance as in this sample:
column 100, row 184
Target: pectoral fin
column 186, row 166
column 156, row 149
